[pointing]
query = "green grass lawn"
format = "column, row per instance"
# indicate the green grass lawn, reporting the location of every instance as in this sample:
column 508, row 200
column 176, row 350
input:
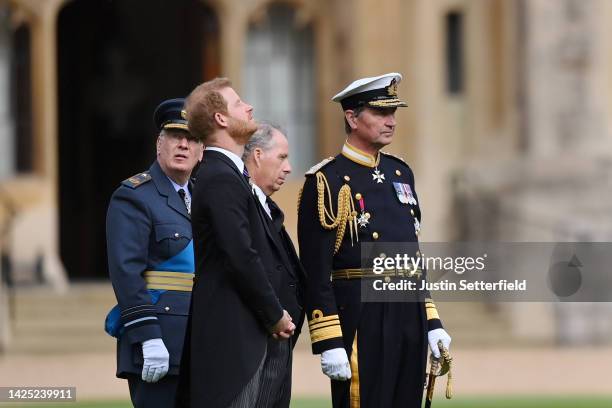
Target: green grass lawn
column 476, row 402
column 524, row 402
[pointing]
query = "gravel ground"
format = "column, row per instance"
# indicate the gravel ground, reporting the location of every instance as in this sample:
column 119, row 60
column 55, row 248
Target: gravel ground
column 545, row 371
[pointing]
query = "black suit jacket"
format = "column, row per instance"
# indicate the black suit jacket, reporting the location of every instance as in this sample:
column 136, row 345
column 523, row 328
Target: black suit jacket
column 239, row 270
column 292, row 296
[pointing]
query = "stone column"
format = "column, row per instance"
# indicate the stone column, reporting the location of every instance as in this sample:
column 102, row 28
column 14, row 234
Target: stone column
column 562, row 187
column 43, row 19
column 7, row 135
column 565, row 51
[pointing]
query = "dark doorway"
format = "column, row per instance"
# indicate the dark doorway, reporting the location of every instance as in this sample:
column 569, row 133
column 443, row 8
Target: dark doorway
column 116, row 61
column 21, row 99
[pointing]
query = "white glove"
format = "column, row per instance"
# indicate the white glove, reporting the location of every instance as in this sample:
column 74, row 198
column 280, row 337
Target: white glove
column 433, row 337
column 335, row 364
column 156, row 360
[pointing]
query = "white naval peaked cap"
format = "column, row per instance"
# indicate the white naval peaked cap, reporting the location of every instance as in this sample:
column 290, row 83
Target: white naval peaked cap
column 375, row 92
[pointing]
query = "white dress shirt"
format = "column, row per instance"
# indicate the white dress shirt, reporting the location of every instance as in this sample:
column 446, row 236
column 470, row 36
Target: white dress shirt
column 262, row 197
column 232, row 156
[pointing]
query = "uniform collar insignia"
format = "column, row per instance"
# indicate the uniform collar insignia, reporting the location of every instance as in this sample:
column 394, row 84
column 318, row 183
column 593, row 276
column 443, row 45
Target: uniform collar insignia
column 359, row 156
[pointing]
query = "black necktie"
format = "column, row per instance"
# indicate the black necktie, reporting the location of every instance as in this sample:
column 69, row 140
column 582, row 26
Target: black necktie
column 185, row 199
column 277, row 214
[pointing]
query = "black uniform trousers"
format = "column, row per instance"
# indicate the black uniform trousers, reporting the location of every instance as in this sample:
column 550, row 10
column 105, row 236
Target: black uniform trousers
column 391, row 358
column 159, row 395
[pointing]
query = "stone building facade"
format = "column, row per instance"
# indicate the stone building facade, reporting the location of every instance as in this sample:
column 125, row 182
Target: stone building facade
column 507, row 129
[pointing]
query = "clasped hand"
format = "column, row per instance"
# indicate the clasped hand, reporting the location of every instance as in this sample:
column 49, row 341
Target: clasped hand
column 284, row 328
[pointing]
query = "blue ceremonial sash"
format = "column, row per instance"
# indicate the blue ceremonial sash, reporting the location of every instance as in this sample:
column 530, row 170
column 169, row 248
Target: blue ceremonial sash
column 181, row 262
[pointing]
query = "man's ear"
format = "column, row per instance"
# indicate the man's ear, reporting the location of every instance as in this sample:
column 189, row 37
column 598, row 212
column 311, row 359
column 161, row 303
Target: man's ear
column 201, row 156
column 221, row 119
column 257, row 153
column 350, row 117
column 158, row 144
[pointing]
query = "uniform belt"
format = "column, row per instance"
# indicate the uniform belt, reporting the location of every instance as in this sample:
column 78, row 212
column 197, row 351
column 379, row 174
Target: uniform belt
column 359, row 273
column 168, row 280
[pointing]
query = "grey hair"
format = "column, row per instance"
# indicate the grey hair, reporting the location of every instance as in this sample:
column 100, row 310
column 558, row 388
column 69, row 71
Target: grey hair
column 356, row 111
column 262, row 139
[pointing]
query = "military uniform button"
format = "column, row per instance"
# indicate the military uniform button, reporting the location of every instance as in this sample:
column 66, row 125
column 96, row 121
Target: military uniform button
column 382, row 256
column 418, row 253
column 387, row 279
column 399, row 173
column 358, row 196
column 412, row 212
column 416, row 233
column 375, row 235
column 367, row 215
column 347, row 178
column 176, row 235
column 167, row 308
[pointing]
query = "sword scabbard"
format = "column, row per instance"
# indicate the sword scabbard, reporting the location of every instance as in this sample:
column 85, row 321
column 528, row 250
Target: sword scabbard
column 431, row 382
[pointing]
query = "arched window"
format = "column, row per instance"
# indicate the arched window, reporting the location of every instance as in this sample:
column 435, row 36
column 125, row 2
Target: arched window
column 279, row 80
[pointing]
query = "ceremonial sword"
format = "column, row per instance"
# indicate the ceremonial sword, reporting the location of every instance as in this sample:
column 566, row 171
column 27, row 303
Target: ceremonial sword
column 438, row 369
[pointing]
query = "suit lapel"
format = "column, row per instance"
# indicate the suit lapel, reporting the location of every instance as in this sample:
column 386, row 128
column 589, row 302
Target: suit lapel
column 293, row 254
column 291, row 257
column 166, row 189
column 218, row 156
column 279, row 235
column 267, row 222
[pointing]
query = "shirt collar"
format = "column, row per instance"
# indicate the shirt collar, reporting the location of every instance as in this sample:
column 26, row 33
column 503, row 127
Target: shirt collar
column 232, row 156
column 177, row 187
column 262, row 199
column 359, row 156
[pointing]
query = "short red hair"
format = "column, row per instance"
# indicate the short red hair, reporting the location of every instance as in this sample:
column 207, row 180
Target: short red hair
column 202, row 104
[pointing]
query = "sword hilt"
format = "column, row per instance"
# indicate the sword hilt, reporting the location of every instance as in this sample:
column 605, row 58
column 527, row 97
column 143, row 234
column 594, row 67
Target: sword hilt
column 447, row 362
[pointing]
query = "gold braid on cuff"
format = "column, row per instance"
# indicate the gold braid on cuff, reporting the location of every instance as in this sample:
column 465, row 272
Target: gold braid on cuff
column 324, row 327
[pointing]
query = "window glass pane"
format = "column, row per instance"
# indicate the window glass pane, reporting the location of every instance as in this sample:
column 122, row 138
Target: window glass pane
column 279, row 81
column 454, row 52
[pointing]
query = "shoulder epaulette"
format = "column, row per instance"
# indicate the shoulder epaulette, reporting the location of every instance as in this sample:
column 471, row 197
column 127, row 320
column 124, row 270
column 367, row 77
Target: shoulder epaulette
column 394, row 157
column 137, row 180
column 319, row 166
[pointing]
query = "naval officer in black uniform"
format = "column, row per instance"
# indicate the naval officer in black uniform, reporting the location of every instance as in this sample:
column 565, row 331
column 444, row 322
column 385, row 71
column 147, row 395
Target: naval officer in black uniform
column 151, row 264
column 374, row 352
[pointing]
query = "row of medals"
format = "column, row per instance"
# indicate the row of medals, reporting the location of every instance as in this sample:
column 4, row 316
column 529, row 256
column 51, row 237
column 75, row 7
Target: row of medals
column 364, row 218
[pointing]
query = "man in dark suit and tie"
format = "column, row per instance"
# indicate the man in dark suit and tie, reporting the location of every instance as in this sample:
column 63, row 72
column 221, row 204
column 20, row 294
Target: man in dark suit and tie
column 266, row 157
column 240, row 267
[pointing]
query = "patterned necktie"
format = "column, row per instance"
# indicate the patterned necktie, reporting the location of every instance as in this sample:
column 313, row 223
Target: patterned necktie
column 186, row 200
